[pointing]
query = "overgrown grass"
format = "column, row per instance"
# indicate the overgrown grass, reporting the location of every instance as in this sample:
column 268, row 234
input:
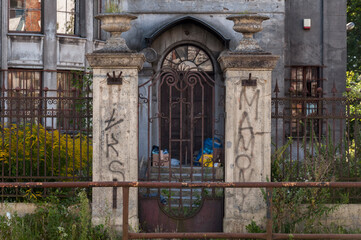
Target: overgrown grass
column 56, row 219
column 303, row 210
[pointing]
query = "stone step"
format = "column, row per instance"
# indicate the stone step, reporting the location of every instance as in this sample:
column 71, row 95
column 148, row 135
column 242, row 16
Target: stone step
column 175, row 200
column 196, row 177
column 188, row 196
column 188, row 170
column 175, row 192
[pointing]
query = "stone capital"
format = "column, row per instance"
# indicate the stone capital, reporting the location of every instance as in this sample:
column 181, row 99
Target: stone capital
column 238, row 62
column 116, row 60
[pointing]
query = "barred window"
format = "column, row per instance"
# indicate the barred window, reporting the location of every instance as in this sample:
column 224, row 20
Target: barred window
column 23, row 91
column 304, row 84
column 66, row 17
column 70, row 104
column 25, row 16
column 24, row 82
column 305, row 81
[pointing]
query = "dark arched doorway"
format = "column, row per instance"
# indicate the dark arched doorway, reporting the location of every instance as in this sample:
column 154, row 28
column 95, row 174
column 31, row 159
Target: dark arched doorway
column 182, row 106
column 187, row 99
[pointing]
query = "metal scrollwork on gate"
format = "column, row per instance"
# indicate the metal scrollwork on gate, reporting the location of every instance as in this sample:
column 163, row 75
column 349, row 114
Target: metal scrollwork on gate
column 181, row 113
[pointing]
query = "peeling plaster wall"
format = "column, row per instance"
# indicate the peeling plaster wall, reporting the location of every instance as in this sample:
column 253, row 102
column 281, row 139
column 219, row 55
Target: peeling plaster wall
column 46, row 49
column 155, row 14
column 25, row 50
column 152, row 15
column 283, row 35
column 324, row 45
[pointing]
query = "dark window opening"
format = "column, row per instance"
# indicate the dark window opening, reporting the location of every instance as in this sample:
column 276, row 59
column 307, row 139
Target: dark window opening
column 22, row 90
column 187, row 103
column 305, row 85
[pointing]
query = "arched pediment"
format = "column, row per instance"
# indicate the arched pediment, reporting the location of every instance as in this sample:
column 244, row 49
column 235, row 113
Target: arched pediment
column 187, row 19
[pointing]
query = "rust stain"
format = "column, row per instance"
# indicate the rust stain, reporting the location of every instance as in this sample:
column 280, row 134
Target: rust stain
column 290, row 184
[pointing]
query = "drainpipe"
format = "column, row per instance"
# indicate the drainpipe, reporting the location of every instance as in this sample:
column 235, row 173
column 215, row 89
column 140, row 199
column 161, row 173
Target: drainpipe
column 323, row 54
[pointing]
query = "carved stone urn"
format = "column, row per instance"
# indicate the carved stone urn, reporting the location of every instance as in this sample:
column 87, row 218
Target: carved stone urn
column 116, row 24
column 248, row 25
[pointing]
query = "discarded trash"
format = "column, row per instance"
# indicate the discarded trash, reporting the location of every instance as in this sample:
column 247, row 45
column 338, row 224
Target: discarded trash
column 175, row 162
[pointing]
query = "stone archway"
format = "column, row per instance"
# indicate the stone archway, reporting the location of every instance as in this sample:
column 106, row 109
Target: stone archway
column 248, row 125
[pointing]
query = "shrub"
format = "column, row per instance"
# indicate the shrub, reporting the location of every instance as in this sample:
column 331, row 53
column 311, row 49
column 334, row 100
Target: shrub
column 31, row 150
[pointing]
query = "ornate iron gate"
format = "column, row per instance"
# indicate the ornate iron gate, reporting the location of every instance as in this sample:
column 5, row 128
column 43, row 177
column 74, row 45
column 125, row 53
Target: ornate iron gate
column 184, row 144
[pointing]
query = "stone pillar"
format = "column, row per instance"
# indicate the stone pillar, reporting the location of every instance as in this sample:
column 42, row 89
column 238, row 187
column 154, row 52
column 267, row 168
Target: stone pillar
column 3, row 34
column 115, row 121
column 248, row 76
column 89, row 30
column 50, row 57
column 115, row 133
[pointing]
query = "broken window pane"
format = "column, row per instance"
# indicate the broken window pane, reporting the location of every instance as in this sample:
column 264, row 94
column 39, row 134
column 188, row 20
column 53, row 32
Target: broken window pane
column 305, row 81
column 188, row 57
column 25, row 15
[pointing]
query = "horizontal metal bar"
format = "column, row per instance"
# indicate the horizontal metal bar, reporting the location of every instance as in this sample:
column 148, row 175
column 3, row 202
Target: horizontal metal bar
column 313, row 99
column 44, row 70
column 183, row 184
column 315, row 236
column 197, row 235
column 241, row 235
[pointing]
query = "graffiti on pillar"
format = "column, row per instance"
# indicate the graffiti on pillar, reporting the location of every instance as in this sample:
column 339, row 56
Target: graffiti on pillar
column 110, row 143
column 114, row 166
column 117, row 167
column 111, row 122
column 243, row 99
column 246, row 138
column 245, row 153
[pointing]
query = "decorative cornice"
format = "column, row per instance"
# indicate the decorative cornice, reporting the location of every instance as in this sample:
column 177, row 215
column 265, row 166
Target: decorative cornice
column 238, row 61
column 116, row 60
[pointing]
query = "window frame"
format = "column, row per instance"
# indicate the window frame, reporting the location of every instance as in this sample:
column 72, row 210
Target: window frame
column 30, row 32
column 76, row 19
column 182, row 62
column 66, row 81
column 25, row 90
column 303, row 102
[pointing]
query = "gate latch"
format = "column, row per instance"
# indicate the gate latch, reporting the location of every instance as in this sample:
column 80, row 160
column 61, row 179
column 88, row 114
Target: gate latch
column 249, row 82
column 113, row 80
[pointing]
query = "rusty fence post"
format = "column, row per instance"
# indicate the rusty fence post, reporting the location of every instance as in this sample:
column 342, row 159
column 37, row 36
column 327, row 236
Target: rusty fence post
column 125, row 213
column 269, row 192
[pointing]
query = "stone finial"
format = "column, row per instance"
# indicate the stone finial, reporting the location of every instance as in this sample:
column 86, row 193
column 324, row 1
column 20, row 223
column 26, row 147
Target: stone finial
column 116, row 24
column 248, row 25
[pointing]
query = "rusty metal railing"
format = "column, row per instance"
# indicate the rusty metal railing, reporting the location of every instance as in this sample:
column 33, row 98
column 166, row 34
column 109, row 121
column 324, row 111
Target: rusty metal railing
column 269, row 186
column 310, row 127
column 45, row 126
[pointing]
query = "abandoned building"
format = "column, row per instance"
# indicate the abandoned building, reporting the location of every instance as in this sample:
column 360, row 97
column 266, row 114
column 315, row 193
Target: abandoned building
column 179, row 113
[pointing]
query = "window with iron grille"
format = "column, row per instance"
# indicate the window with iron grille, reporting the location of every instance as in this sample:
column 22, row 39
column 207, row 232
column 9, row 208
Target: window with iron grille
column 23, row 91
column 72, row 103
column 25, row 16
column 66, row 17
column 305, row 85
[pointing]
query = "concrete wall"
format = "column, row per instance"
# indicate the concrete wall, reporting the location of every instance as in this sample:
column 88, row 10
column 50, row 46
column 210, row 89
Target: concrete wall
column 152, row 15
column 347, row 215
column 20, row 209
column 47, row 50
column 323, row 45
